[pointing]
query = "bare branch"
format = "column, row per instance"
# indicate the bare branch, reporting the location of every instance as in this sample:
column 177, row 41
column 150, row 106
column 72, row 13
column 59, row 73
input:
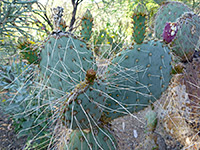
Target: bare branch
column 75, row 6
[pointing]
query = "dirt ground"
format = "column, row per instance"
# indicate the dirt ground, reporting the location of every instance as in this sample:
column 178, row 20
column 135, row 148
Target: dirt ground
column 131, row 134
column 8, row 138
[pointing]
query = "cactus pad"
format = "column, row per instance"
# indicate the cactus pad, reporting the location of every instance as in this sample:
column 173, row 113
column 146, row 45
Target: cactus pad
column 91, row 140
column 82, row 104
column 86, row 24
column 151, row 120
column 139, row 23
column 187, row 37
column 168, row 12
column 137, row 77
column 64, row 62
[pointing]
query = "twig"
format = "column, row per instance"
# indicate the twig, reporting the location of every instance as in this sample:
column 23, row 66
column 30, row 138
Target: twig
column 75, row 4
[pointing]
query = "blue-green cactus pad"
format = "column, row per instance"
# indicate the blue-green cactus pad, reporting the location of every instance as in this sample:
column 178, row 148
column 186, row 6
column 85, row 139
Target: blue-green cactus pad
column 86, row 105
column 139, row 27
column 98, row 139
column 139, row 23
column 137, row 77
column 64, row 62
column 86, row 24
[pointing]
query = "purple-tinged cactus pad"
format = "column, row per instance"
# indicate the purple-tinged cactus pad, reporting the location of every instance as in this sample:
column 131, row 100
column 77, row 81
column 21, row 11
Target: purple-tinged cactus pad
column 170, row 11
column 169, row 32
column 186, row 40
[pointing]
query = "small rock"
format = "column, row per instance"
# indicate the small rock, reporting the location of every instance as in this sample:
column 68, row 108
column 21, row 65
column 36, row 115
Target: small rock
column 135, row 134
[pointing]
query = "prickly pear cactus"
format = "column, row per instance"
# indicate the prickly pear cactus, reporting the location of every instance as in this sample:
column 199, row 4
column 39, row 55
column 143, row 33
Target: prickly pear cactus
column 97, row 138
column 168, row 12
column 82, row 107
column 86, row 24
column 28, row 51
column 137, row 77
column 139, row 24
column 187, row 37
